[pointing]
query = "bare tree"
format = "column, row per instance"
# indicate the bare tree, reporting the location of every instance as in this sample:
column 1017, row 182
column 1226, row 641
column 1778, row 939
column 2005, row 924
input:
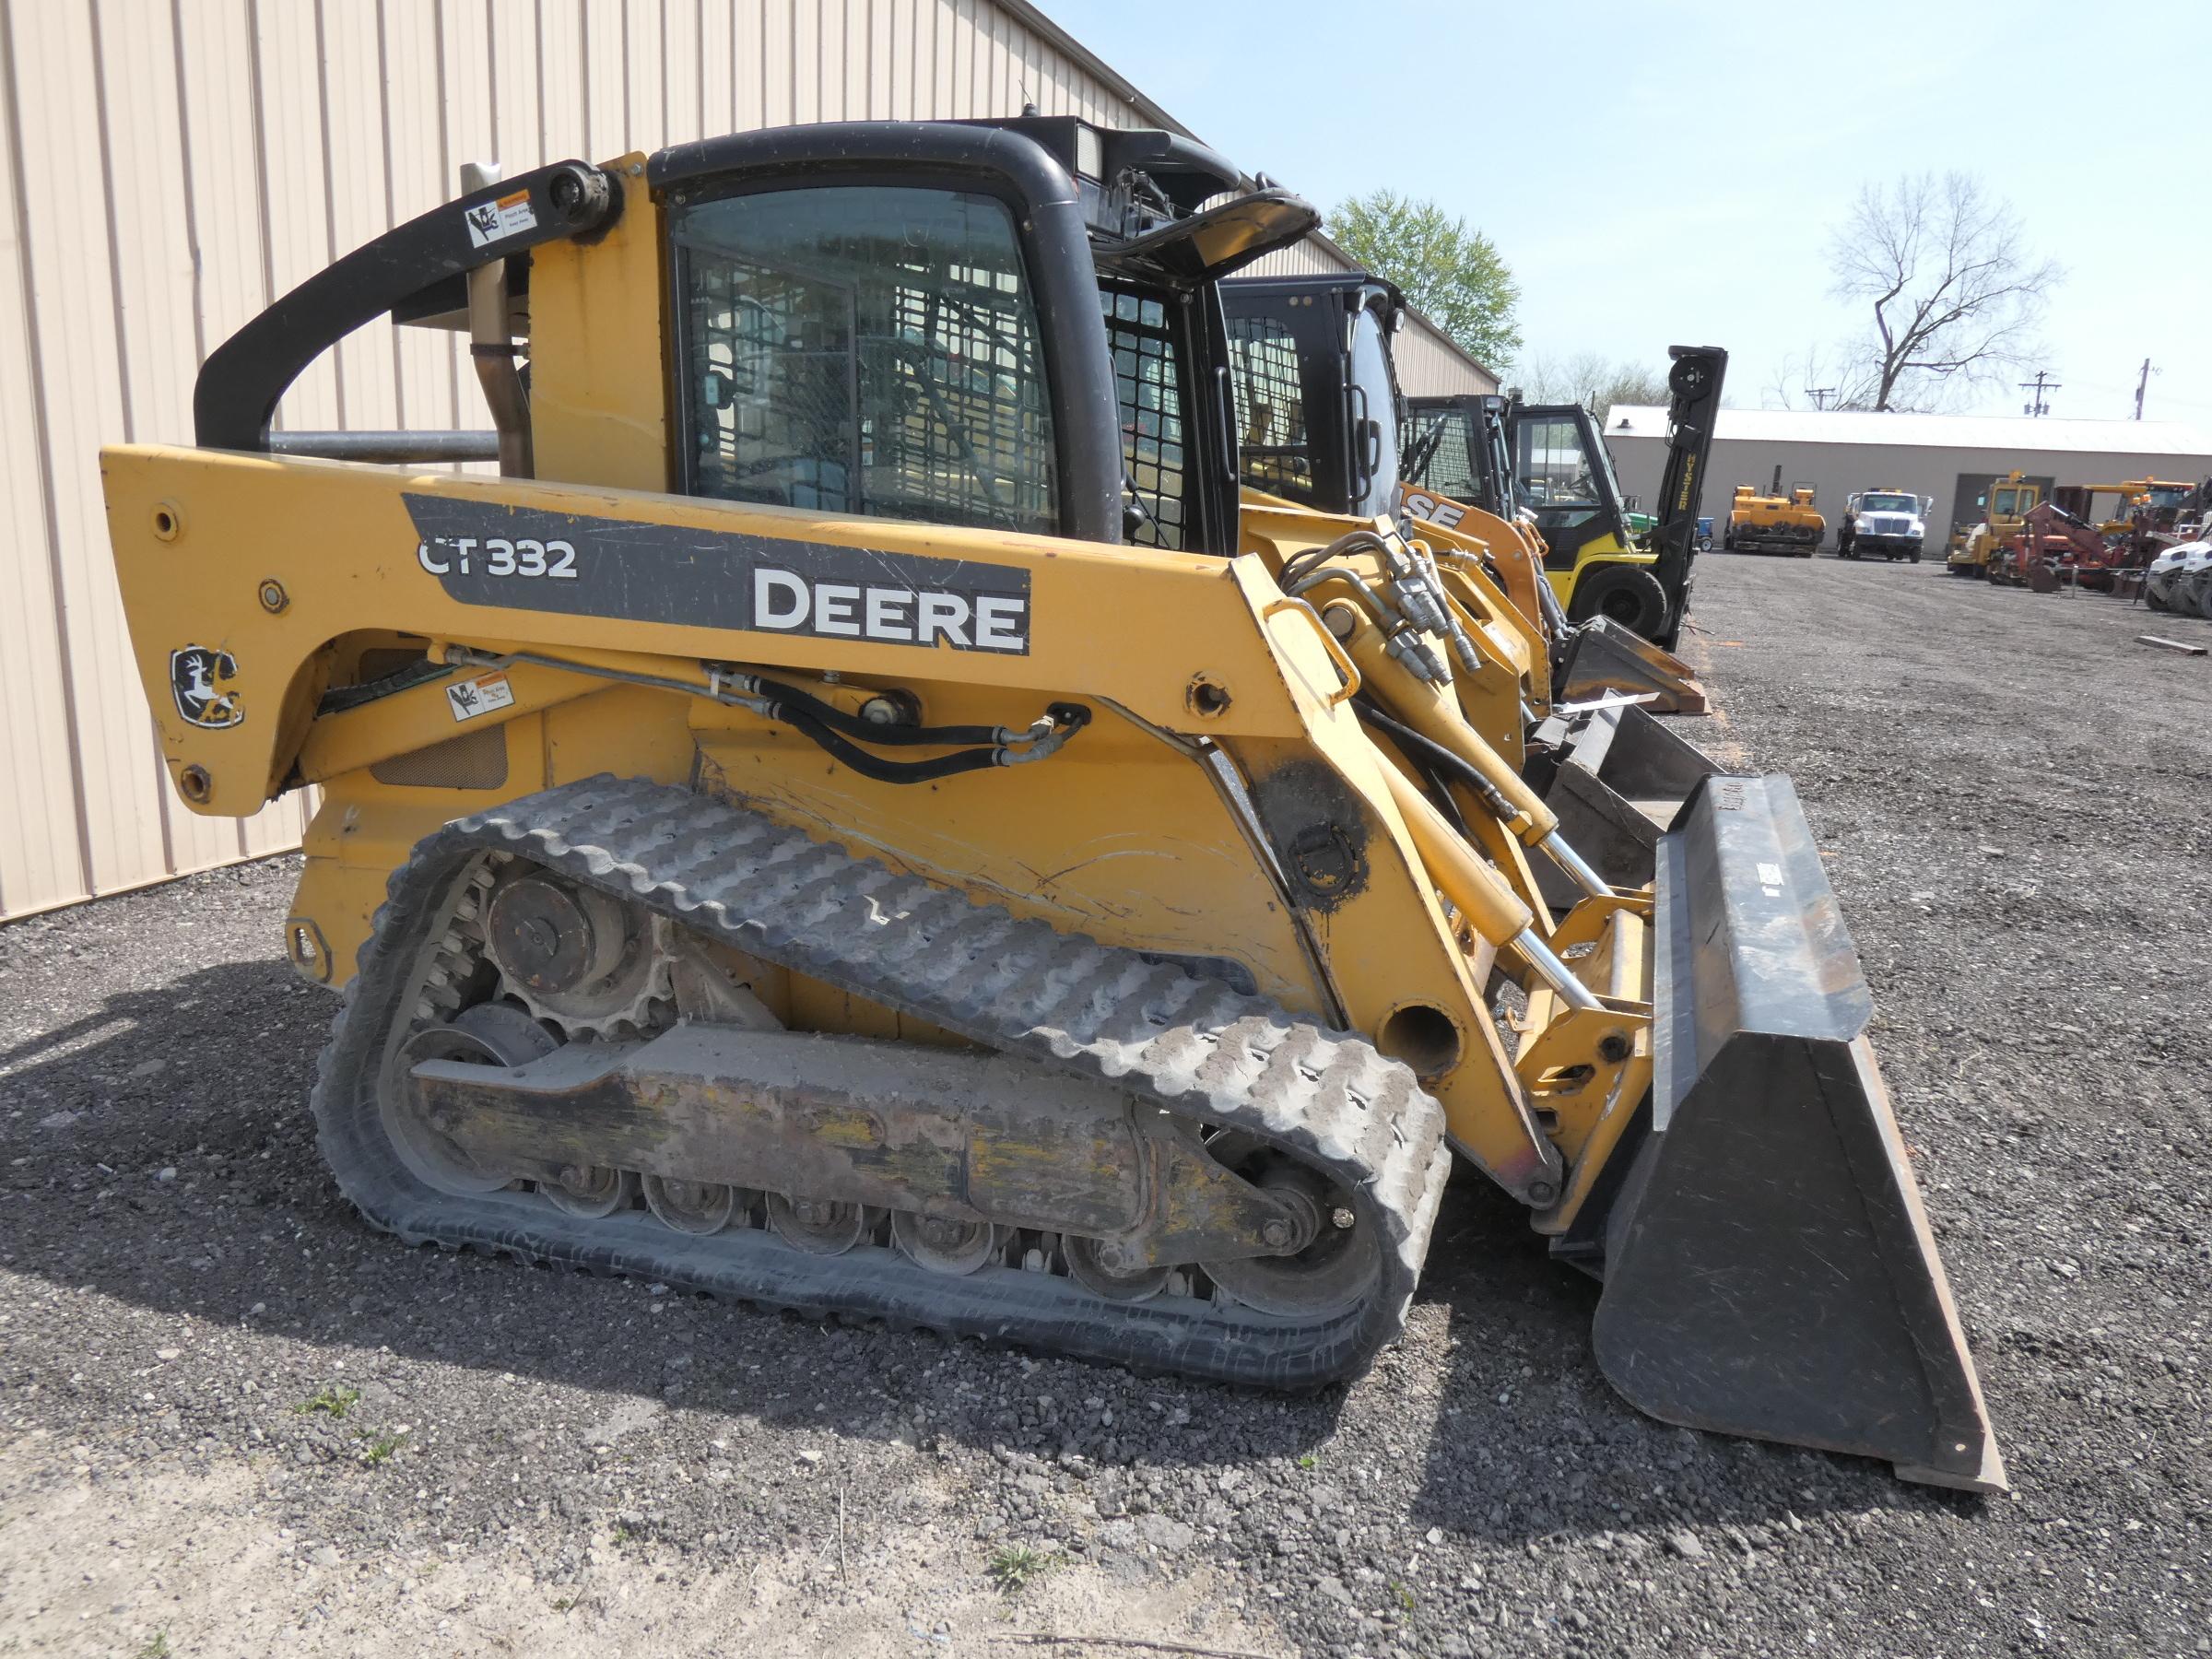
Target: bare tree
column 1819, row 378
column 1589, row 378
column 1956, row 294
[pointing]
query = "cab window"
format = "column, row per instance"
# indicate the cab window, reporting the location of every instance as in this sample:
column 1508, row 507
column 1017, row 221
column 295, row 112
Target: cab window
column 1554, row 468
column 1272, row 450
column 1444, row 440
column 866, row 350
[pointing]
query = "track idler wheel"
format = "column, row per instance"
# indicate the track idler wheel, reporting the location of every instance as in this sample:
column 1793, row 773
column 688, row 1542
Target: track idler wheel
column 590, row 1191
column 817, row 1226
column 1098, row 1266
column 1333, row 1269
column 947, row 1246
column 488, row 1034
column 693, row 1206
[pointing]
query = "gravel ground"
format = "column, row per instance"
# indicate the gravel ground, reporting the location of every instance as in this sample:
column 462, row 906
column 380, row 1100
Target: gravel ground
column 232, row 1421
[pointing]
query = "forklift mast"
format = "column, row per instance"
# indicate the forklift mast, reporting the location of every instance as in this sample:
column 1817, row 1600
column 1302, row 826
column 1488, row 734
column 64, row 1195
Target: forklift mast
column 1694, row 386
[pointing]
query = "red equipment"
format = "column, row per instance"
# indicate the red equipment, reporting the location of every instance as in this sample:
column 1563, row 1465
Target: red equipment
column 2053, row 546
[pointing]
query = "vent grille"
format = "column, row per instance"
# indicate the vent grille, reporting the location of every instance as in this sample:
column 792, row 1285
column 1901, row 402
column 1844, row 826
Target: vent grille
column 473, row 760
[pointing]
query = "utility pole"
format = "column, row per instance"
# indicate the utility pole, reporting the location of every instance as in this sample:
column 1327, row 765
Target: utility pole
column 2042, row 383
column 2142, row 384
column 1820, row 394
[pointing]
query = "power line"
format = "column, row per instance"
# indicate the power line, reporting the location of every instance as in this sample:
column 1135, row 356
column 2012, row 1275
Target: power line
column 2038, row 385
column 1820, row 394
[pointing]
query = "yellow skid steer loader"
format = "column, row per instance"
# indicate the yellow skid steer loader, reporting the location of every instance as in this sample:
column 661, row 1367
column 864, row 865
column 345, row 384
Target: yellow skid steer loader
column 852, row 819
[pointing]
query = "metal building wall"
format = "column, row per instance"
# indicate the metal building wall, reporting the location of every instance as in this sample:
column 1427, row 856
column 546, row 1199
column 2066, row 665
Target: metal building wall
column 1836, row 470
column 172, row 165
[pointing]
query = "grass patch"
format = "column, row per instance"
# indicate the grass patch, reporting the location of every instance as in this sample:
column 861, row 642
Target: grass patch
column 1307, row 1460
column 1015, row 1567
column 376, row 1448
column 1405, row 1595
column 330, row 1400
column 157, row 1646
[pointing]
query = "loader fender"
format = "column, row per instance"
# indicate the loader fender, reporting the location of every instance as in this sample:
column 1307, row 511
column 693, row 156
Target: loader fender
column 1769, row 1270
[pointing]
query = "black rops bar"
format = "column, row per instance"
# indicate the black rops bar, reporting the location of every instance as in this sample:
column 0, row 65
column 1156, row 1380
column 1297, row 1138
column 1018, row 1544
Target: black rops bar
column 243, row 378
column 388, row 446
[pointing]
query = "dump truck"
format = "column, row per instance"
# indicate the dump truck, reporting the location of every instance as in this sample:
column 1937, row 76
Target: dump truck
column 1774, row 522
column 1891, row 523
column 851, row 818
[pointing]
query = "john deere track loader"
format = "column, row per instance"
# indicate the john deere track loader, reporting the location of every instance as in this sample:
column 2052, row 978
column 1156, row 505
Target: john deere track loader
column 841, row 823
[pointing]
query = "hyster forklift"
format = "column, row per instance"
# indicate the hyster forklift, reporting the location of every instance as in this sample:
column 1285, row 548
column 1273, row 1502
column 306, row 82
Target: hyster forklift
column 1599, row 564
column 851, row 820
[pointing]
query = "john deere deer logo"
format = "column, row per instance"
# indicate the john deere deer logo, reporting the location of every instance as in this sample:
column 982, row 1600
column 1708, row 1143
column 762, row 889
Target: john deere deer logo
column 203, row 681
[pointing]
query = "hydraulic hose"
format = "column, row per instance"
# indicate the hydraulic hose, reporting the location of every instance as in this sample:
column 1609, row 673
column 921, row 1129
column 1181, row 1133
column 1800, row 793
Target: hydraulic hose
column 1428, row 752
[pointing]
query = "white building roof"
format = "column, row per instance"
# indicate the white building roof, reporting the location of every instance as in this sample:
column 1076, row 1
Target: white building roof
column 1929, row 432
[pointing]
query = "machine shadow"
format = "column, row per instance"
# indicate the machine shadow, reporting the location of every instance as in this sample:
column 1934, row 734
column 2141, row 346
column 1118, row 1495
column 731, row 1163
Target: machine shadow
column 1531, row 1440
column 172, row 1164
column 208, row 1075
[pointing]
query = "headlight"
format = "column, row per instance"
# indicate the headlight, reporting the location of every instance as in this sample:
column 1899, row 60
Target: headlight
column 1918, row 528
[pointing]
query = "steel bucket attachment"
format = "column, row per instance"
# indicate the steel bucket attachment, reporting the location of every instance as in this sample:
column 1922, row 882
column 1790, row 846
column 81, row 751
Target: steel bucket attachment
column 1768, row 1266
column 1605, row 657
column 1620, row 779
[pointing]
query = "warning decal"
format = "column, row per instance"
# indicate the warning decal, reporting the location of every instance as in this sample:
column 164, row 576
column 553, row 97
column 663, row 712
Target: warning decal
column 481, row 695
column 495, row 222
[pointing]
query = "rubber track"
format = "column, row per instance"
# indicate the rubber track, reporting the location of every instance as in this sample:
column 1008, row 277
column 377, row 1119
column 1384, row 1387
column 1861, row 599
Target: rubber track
column 1193, row 1045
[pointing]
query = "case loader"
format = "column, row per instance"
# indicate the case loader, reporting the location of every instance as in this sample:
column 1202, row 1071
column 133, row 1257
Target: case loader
column 852, row 819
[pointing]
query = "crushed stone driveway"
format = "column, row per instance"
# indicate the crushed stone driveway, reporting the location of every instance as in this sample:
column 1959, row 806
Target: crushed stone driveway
column 234, row 1420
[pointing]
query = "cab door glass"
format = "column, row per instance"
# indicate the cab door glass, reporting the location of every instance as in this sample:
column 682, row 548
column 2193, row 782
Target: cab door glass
column 863, row 349
column 1374, row 418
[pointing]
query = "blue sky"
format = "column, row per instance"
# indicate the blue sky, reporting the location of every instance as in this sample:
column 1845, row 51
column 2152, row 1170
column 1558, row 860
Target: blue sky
column 1670, row 172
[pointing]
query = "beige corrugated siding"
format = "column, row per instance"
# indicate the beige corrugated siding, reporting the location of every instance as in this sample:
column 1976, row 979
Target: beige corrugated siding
column 171, row 166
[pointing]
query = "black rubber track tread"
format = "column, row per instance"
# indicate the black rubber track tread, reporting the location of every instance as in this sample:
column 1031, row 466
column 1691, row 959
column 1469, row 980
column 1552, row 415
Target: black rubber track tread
column 1192, row 1045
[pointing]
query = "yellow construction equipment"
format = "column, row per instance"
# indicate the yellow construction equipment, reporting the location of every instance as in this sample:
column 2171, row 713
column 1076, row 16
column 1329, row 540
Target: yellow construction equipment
column 1774, row 522
column 1976, row 550
column 855, row 818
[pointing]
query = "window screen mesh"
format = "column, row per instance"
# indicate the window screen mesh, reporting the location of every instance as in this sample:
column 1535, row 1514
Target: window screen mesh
column 1448, row 469
column 1273, row 452
column 866, row 350
column 1148, row 385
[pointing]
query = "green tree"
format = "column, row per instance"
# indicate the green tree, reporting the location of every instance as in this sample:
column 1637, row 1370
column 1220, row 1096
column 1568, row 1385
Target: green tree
column 1450, row 271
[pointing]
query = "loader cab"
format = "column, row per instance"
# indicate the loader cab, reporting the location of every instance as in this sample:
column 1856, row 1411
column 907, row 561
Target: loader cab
column 1317, row 407
column 1566, row 475
column 1458, row 447
column 938, row 333
column 1009, row 324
